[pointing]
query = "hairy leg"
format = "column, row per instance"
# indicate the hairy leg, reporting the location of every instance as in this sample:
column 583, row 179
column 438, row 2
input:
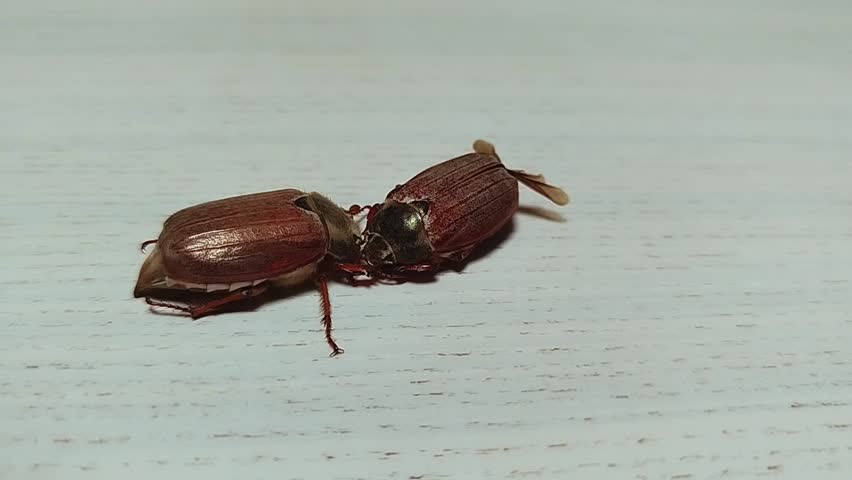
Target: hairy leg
column 322, row 284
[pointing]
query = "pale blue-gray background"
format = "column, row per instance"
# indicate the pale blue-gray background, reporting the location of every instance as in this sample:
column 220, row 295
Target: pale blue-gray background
column 691, row 319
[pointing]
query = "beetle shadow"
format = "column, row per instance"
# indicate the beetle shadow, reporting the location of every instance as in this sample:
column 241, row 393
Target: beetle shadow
column 491, row 244
column 275, row 294
column 485, row 248
column 479, row 252
column 542, row 213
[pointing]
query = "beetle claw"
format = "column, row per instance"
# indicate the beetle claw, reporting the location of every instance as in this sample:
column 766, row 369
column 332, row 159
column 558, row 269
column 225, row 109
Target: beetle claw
column 145, row 244
column 152, row 304
column 335, row 352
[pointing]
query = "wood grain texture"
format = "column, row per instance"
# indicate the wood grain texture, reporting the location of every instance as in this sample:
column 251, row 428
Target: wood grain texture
column 689, row 320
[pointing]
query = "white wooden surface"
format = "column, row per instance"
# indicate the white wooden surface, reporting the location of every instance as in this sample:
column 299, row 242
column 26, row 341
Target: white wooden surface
column 689, row 320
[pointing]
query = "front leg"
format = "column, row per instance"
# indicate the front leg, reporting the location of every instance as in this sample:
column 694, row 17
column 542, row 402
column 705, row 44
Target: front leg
column 417, row 268
column 356, row 274
column 352, row 269
column 371, row 211
column 358, row 209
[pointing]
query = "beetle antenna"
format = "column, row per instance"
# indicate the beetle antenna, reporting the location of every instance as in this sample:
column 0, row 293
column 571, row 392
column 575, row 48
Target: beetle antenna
column 146, row 243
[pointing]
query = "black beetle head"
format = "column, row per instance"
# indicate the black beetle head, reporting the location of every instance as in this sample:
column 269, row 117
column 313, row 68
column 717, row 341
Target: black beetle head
column 396, row 235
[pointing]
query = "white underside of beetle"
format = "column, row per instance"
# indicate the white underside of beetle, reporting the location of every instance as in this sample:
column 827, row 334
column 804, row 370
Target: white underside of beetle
column 289, row 279
column 210, row 287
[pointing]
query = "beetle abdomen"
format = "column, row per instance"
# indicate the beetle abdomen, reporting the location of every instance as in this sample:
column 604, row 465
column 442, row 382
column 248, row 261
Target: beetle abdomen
column 239, row 239
column 210, row 287
column 289, row 279
column 153, row 278
column 470, row 198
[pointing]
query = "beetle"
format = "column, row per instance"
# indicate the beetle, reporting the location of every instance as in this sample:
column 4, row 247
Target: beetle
column 236, row 248
column 442, row 214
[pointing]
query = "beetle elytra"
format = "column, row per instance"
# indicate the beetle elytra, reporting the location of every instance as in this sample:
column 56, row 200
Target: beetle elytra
column 441, row 214
column 235, row 248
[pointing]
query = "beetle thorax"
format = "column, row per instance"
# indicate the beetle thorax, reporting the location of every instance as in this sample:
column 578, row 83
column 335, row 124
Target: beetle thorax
column 343, row 233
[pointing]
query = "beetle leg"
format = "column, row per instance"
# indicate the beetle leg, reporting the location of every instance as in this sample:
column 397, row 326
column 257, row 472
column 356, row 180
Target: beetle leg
column 372, row 213
column 322, row 284
column 157, row 303
column 205, row 308
column 235, row 296
column 371, row 210
column 146, row 243
column 420, row 267
column 356, row 274
column 356, row 209
column 353, row 269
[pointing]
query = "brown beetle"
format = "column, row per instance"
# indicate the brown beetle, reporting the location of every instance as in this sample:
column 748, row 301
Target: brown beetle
column 235, row 248
column 444, row 212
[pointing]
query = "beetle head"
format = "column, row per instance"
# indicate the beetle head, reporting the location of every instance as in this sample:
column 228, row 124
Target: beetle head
column 342, row 231
column 396, row 235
